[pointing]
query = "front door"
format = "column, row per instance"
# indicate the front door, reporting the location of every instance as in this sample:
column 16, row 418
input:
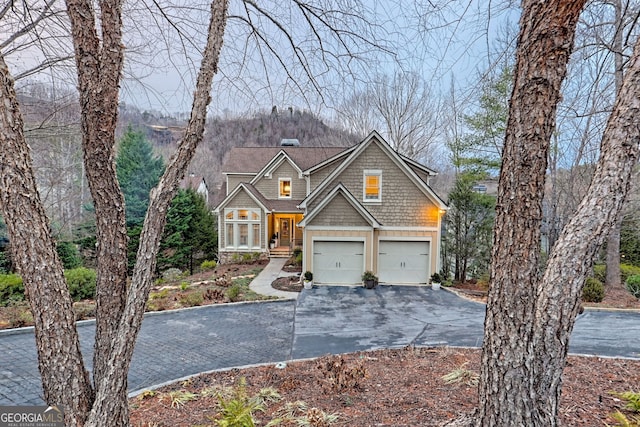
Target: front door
column 285, row 231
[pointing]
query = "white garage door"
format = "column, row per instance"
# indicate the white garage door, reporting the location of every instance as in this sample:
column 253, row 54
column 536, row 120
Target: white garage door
column 403, row 261
column 338, row 262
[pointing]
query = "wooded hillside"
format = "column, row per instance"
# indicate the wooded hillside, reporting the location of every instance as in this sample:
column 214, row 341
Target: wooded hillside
column 52, row 128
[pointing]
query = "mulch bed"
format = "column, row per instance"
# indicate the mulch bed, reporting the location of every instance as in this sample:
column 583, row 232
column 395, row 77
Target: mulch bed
column 289, row 284
column 400, row 388
column 615, row 297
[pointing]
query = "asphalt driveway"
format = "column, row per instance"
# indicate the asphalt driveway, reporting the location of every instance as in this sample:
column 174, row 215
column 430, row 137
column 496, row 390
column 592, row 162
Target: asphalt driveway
column 323, row 320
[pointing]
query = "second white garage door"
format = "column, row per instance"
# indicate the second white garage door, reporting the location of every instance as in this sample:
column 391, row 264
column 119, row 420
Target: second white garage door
column 338, row 262
column 403, row 261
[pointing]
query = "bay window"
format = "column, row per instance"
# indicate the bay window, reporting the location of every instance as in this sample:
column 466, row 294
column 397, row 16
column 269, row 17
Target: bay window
column 243, row 229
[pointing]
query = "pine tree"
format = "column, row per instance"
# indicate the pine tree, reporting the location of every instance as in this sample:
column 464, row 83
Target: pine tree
column 138, row 172
column 190, row 233
column 469, row 227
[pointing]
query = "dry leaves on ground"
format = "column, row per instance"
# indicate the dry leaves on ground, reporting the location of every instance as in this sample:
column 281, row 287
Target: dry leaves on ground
column 402, row 387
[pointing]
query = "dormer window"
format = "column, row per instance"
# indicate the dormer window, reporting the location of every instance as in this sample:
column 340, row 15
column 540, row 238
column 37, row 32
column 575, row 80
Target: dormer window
column 285, row 188
column 372, row 186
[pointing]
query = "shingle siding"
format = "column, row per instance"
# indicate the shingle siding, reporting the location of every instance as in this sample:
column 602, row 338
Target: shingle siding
column 403, row 203
column 339, row 213
column 269, row 187
column 234, row 180
column 241, row 201
column 316, row 178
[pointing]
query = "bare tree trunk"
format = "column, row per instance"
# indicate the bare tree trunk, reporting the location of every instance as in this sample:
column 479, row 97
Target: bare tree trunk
column 613, row 277
column 64, row 378
column 122, row 345
column 571, row 261
column 507, row 391
column 99, row 65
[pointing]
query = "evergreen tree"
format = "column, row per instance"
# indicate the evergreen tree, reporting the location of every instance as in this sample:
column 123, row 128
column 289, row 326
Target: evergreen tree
column 476, row 156
column 487, row 126
column 138, row 172
column 190, row 234
column 469, row 224
column 5, row 256
column 630, row 240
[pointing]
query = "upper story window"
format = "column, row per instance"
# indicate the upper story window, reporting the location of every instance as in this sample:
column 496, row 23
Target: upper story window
column 284, row 188
column 372, row 186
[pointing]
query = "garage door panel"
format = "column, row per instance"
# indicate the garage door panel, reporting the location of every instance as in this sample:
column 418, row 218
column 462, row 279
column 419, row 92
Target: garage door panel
column 338, row 262
column 403, row 261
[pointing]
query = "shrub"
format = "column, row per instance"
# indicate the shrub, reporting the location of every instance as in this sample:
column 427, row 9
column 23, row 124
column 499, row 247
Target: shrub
column 171, row 274
column 18, row 314
column 436, row 278
column 593, row 290
column 627, row 270
column 339, row 375
column 159, row 295
column 5, row 262
column 600, row 272
column 193, row 299
column 237, row 407
column 68, row 253
column 233, row 293
column 369, row 275
column 84, row 310
column 633, row 285
column 631, row 398
column 208, row 264
column 247, row 258
column 11, row 289
column 81, row 282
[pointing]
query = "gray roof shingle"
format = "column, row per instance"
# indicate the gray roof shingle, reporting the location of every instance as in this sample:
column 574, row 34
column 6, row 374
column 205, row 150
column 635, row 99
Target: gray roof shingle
column 252, row 159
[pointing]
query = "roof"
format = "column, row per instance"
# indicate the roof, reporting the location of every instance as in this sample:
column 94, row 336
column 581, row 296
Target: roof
column 191, row 181
column 251, row 160
column 402, row 163
column 266, row 204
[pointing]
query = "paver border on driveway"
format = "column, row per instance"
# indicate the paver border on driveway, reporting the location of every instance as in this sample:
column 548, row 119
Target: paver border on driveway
column 181, row 343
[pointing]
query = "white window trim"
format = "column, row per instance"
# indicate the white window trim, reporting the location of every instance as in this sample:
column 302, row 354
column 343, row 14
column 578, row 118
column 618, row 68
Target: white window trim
column 235, row 222
column 280, row 180
column 371, row 172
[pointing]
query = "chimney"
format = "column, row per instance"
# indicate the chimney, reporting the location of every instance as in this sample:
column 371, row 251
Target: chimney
column 289, row 143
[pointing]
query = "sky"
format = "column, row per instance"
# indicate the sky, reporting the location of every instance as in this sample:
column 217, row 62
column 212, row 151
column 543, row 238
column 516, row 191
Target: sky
column 443, row 41
column 443, row 44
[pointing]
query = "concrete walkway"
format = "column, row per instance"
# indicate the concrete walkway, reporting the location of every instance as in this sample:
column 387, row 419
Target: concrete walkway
column 262, row 283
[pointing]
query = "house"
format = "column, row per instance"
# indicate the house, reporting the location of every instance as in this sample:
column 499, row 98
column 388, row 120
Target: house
column 349, row 210
column 196, row 183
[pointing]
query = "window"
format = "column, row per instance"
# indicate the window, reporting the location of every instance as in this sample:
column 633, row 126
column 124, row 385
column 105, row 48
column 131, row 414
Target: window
column 372, row 186
column 285, row 188
column 242, row 228
column 229, row 239
column 244, row 235
column 256, row 236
